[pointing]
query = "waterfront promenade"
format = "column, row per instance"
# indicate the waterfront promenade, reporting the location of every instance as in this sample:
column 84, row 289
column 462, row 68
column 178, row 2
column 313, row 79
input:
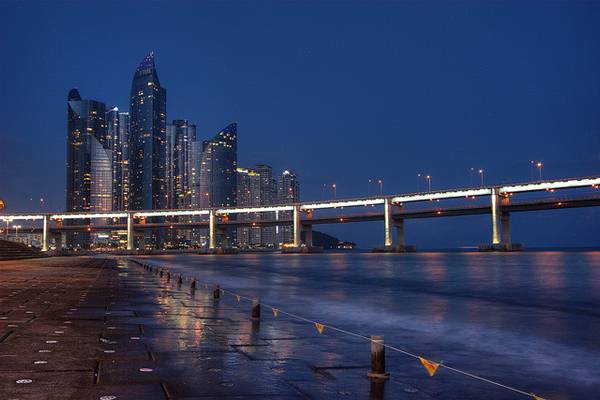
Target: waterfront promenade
column 91, row 328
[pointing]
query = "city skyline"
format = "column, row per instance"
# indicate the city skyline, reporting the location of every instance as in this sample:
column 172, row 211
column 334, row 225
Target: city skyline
column 397, row 119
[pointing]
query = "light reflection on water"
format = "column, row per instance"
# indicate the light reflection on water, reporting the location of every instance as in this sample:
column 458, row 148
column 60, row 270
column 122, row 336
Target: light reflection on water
column 536, row 313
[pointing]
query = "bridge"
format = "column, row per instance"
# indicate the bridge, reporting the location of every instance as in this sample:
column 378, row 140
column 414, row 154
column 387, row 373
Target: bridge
column 302, row 216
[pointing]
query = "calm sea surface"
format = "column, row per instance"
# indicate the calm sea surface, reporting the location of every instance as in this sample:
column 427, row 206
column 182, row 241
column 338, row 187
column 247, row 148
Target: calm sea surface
column 531, row 319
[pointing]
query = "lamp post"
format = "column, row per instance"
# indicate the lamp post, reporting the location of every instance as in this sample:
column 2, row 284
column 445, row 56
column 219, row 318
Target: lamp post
column 334, row 187
column 380, row 182
column 6, row 233
column 531, row 166
column 539, row 167
column 419, row 182
column 16, row 232
column 471, row 171
column 481, row 173
column 369, row 187
column 428, row 177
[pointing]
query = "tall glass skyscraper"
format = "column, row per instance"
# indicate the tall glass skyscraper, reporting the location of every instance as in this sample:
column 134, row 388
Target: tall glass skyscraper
column 180, row 136
column 147, row 137
column 124, row 140
column 89, row 161
column 114, row 140
column 218, row 169
column 218, row 174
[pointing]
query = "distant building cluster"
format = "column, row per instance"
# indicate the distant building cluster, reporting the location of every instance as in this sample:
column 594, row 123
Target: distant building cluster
column 137, row 160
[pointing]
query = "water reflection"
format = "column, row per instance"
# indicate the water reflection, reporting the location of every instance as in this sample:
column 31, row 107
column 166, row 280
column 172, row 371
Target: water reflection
column 536, row 313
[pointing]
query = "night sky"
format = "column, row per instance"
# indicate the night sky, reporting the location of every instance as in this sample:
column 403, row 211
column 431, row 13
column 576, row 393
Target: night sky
column 336, row 91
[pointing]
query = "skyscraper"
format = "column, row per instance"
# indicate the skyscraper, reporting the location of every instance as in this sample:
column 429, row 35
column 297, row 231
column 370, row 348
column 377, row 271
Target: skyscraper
column 248, row 195
column 288, row 192
column 147, row 134
column 124, row 141
column 268, row 196
column 89, row 161
column 114, row 142
column 179, row 163
column 218, row 169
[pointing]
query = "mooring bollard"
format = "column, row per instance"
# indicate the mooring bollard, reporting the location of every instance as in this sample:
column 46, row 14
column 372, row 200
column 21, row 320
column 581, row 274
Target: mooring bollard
column 256, row 308
column 378, row 359
column 216, row 292
column 193, row 285
column 169, row 276
column 180, row 280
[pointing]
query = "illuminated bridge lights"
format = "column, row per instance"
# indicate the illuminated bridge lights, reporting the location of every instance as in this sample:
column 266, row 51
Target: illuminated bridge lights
column 169, row 213
column 253, row 209
column 451, row 194
column 88, row 215
column 342, row 203
column 560, row 184
column 398, row 200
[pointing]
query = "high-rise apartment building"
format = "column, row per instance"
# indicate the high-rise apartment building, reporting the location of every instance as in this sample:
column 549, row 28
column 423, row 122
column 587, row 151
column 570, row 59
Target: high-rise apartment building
column 249, row 195
column 268, row 196
column 147, row 139
column 89, row 161
column 288, row 192
column 218, row 174
column 179, row 164
column 124, row 141
column 114, row 142
column 218, row 169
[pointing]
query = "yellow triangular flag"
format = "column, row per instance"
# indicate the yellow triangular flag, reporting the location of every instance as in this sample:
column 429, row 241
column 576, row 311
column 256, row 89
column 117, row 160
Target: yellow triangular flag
column 537, row 397
column 275, row 311
column 320, row 327
column 430, row 366
column 238, row 298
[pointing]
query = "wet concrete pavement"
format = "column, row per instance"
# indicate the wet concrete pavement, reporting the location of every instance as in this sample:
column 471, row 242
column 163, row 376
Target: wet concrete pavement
column 87, row 328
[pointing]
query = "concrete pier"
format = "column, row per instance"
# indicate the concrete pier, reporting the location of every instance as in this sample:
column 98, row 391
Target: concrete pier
column 87, row 328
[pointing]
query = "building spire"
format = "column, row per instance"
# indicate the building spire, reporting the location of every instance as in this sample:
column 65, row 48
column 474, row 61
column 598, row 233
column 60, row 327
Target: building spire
column 147, row 62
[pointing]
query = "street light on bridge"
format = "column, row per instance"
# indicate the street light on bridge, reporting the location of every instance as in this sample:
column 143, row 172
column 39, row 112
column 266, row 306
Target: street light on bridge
column 380, row 182
column 334, row 187
column 17, row 227
column 539, row 167
column 481, row 173
column 428, row 177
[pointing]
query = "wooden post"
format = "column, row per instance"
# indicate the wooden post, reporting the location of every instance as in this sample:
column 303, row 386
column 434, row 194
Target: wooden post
column 378, row 359
column 193, row 285
column 216, row 292
column 179, row 280
column 161, row 273
column 256, row 308
column 169, row 276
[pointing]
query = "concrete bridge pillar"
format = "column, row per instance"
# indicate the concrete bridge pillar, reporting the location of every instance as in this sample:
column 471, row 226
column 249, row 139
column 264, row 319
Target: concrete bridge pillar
column 211, row 230
column 387, row 221
column 400, row 231
column 308, row 241
column 129, row 231
column 297, row 226
column 46, row 233
column 496, row 217
column 506, row 230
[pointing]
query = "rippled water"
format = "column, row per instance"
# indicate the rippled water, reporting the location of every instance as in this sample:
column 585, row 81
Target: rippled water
column 531, row 320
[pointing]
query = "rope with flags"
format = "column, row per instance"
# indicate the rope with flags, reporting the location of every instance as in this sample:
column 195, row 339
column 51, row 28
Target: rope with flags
column 430, row 366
